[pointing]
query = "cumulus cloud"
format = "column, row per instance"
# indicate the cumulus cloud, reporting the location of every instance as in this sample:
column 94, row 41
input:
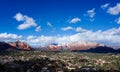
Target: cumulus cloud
column 40, row 40
column 67, row 28
column 19, row 17
column 75, row 20
column 108, row 37
column 117, row 20
column 27, row 21
column 79, row 29
column 9, row 37
column 30, row 37
column 113, row 31
column 114, row 10
column 91, row 13
column 38, row 29
column 105, row 5
column 49, row 24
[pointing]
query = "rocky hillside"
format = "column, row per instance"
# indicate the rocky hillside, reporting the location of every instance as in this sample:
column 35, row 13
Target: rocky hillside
column 100, row 49
column 18, row 45
column 73, row 46
column 6, row 46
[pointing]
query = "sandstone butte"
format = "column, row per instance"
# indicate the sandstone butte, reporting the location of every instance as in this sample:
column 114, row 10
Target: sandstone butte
column 20, row 45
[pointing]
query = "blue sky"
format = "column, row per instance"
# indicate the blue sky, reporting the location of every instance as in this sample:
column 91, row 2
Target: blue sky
column 45, row 21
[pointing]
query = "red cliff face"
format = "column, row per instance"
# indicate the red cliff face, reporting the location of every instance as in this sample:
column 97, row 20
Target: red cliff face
column 82, row 45
column 20, row 45
column 54, row 47
column 74, row 46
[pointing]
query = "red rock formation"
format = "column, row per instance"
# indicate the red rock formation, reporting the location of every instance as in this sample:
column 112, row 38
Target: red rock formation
column 54, row 47
column 20, row 45
column 82, row 45
column 74, row 46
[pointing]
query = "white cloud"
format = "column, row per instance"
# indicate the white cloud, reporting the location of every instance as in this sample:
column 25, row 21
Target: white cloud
column 10, row 36
column 40, row 40
column 114, row 10
column 75, row 20
column 91, row 13
column 79, row 29
column 109, row 37
column 117, row 20
column 105, row 5
column 28, row 21
column 30, row 37
column 49, row 24
column 67, row 28
column 38, row 29
column 113, row 31
column 19, row 17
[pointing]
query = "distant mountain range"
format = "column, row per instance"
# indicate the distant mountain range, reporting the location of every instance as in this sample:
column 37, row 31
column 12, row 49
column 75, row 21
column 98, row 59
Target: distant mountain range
column 79, row 47
column 71, row 46
column 10, row 46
